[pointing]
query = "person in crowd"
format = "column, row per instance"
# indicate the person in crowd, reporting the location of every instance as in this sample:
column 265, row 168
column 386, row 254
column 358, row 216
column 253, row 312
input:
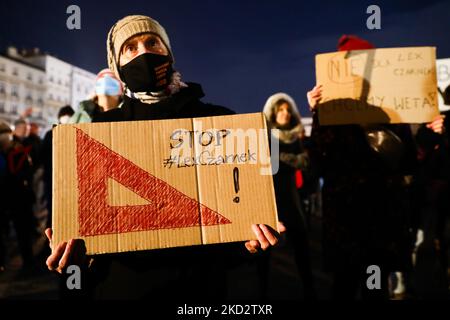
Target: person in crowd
column 19, row 196
column 432, row 191
column 34, row 140
column 64, row 115
column 21, row 130
column 5, row 139
column 366, row 171
column 140, row 55
column 281, row 113
column 108, row 95
column 308, row 185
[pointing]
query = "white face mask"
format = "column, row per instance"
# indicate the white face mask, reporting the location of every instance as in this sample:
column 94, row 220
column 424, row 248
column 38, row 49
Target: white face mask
column 64, row 119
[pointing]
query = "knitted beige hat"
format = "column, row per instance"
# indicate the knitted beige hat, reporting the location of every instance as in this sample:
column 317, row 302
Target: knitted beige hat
column 126, row 28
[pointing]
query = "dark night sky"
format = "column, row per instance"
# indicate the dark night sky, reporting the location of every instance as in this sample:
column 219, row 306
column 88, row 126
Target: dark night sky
column 240, row 51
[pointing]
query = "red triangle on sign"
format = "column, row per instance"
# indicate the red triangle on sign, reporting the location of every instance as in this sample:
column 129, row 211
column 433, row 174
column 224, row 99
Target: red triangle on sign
column 168, row 208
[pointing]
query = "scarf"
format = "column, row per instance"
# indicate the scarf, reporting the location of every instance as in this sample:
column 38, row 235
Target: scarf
column 153, row 97
column 288, row 135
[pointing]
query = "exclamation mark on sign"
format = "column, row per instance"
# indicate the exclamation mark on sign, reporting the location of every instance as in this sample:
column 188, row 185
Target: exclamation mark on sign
column 236, row 183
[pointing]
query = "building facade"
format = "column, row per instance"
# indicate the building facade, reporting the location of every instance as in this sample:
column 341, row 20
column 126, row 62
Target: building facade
column 83, row 86
column 37, row 85
column 22, row 87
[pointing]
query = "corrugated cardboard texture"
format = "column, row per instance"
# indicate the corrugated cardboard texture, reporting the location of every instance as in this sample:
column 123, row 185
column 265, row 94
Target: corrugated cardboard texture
column 124, row 186
column 395, row 85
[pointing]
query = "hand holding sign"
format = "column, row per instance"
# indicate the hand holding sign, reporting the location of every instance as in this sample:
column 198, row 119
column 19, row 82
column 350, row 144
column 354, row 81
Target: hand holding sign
column 314, row 96
column 72, row 252
column 173, row 188
column 437, row 125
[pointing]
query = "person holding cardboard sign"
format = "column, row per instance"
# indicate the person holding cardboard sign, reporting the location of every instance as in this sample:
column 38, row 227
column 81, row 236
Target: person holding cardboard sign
column 367, row 173
column 140, row 55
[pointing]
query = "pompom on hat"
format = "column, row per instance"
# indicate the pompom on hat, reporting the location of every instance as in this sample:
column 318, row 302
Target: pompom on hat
column 351, row 42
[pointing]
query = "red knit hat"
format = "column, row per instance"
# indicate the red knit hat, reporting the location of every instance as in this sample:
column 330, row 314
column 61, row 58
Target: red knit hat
column 351, row 42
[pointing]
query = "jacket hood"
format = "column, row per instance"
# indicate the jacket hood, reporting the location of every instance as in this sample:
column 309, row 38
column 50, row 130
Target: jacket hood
column 269, row 107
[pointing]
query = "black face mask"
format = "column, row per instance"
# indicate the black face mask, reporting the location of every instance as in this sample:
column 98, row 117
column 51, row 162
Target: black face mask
column 148, row 72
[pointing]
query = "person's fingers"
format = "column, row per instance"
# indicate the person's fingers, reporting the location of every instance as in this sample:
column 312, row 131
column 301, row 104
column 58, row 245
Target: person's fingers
column 281, row 227
column 270, row 234
column 53, row 260
column 49, row 233
column 66, row 257
column 437, row 125
column 264, row 243
column 251, row 246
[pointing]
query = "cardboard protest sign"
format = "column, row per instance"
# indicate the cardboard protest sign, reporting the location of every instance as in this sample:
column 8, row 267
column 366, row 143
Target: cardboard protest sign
column 142, row 185
column 443, row 82
column 394, row 85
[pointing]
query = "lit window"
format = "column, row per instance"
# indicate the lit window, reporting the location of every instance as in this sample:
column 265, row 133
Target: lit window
column 15, row 91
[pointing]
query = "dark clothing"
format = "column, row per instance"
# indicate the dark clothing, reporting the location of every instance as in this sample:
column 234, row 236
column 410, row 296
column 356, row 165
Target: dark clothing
column 291, row 214
column 35, row 142
column 184, row 104
column 288, row 202
column 365, row 196
column 20, row 197
column 292, row 157
column 46, row 158
column 3, row 208
column 432, row 189
column 189, row 272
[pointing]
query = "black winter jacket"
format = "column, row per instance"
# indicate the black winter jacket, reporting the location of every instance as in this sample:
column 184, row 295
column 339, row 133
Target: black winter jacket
column 197, row 272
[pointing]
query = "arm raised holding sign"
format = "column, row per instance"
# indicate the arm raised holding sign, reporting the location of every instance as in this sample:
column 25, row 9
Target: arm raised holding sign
column 314, row 97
